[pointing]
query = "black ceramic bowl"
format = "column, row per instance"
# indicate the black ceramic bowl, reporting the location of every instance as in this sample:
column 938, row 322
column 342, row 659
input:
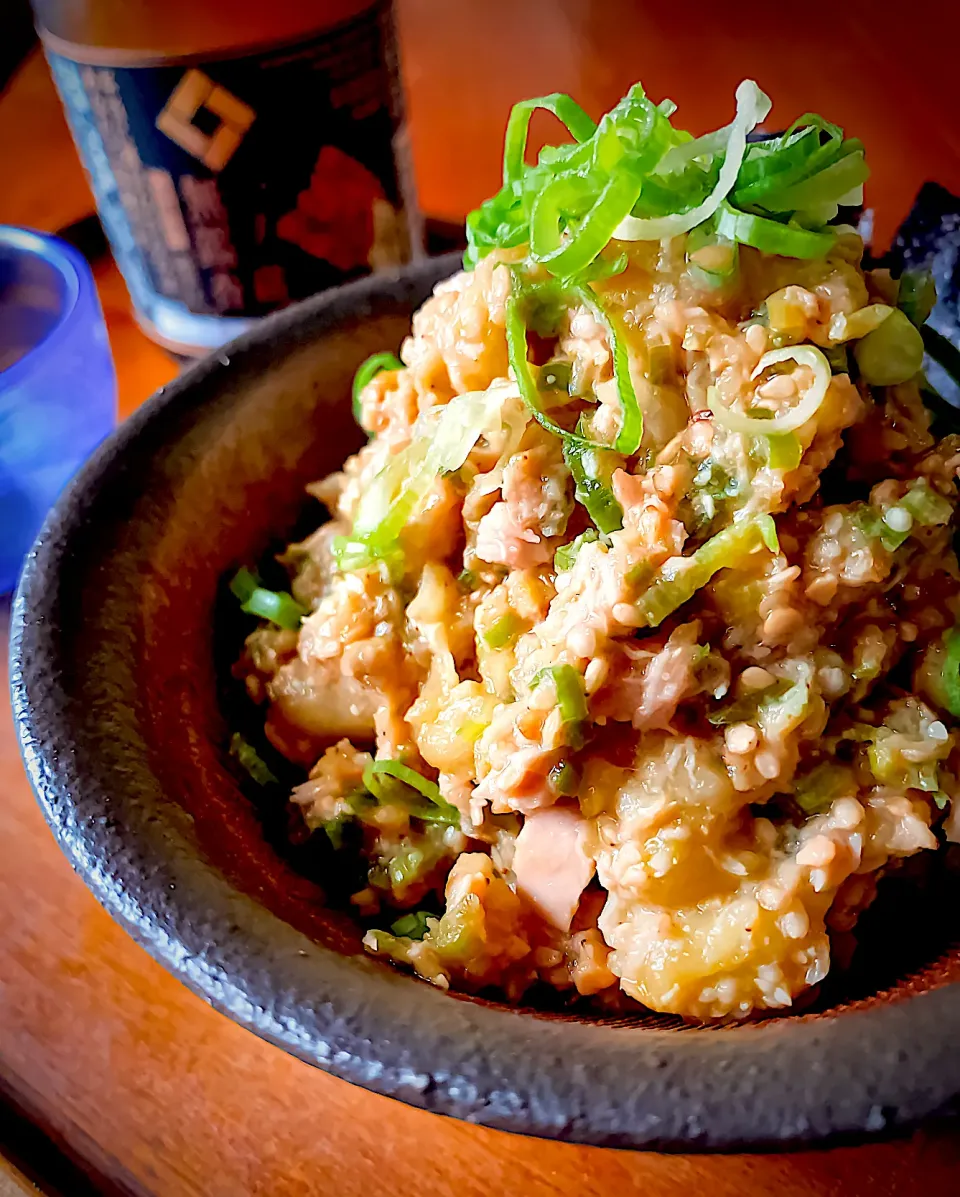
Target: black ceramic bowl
column 118, row 696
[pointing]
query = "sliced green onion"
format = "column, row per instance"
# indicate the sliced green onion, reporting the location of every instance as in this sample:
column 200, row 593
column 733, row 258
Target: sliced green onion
column 772, row 237
column 565, row 556
column 442, row 441
column 768, row 532
column 927, row 507
column 679, row 579
column 374, row 364
column 555, row 376
column 333, row 829
column 564, row 778
column 795, row 417
column 892, row 353
column 438, row 809
column 712, row 260
column 752, row 107
column 781, row 162
column 822, row 786
column 276, row 605
column 503, row 632
column 517, row 353
column 579, row 125
column 827, row 186
column 571, row 699
column 917, row 295
column 412, row 925
column 243, row 583
column 251, row 761
column 784, row 451
column 591, row 470
column 950, row 678
column 631, row 417
column 568, row 258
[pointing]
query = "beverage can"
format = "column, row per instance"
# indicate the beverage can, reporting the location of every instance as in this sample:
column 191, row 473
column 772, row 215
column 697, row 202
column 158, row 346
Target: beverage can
column 230, row 186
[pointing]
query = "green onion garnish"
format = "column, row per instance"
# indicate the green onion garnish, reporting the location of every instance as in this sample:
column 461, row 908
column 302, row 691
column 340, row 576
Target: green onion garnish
column 636, row 177
column 678, row 580
column 503, row 631
column 249, row 759
column 243, row 583
column 333, row 829
column 374, row 364
column 892, row 353
column 555, row 376
column 377, row 776
column 591, row 470
column 564, row 778
column 755, row 424
column 527, row 306
column 565, row 556
column 571, row 699
column 784, row 451
column 412, row 925
column 770, row 236
column 275, row 605
column 565, row 109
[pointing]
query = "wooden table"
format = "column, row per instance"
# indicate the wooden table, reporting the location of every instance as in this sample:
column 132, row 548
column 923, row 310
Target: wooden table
column 142, row 1086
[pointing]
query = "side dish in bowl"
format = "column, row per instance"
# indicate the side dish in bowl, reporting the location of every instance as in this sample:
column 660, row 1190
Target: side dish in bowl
column 625, row 663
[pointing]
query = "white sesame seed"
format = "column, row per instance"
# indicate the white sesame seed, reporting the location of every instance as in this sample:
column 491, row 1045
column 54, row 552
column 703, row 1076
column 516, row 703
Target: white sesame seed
column 898, row 518
column 741, row 738
column 754, row 677
column 627, row 614
column 937, row 731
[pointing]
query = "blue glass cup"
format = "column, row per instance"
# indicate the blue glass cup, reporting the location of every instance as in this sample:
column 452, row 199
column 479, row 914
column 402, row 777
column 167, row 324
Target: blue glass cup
column 58, row 390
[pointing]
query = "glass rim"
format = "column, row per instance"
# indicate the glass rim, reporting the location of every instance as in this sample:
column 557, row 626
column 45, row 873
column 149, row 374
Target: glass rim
column 81, row 300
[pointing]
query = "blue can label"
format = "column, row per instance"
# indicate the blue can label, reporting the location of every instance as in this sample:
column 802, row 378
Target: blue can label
column 231, row 187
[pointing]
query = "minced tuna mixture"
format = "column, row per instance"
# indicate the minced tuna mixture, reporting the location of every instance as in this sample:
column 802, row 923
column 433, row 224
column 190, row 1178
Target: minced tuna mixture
column 625, row 661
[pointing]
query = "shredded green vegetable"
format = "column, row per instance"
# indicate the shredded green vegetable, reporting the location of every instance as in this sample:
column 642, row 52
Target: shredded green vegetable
column 565, row 556
column 634, row 176
column 503, row 632
column 784, row 451
column 591, row 470
column 822, row 786
column 540, row 305
column 275, row 605
column 571, row 699
column 250, row 760
column 679, row 579
column 412, row 925
column 378, row 777
column 892, row 353
column 374, row 364
column 564, row 778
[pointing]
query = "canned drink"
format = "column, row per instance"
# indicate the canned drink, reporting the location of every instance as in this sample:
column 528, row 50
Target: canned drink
column 231, row 181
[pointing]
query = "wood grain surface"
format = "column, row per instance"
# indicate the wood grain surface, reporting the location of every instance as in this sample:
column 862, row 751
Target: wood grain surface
column 140, row 1082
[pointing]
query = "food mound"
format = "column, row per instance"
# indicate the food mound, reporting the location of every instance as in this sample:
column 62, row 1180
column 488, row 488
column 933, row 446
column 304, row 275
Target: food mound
column 625, row 663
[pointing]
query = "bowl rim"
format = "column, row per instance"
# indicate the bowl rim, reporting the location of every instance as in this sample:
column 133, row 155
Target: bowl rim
column 762, row 1086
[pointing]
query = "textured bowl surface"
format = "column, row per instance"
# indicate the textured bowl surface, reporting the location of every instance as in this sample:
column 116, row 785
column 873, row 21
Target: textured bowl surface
column 118, row 695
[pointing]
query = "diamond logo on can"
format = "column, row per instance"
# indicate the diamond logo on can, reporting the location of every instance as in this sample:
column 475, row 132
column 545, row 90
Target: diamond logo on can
column 205, row 119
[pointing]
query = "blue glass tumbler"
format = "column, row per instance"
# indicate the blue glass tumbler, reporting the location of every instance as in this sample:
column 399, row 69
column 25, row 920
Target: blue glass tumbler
column 58, row 390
